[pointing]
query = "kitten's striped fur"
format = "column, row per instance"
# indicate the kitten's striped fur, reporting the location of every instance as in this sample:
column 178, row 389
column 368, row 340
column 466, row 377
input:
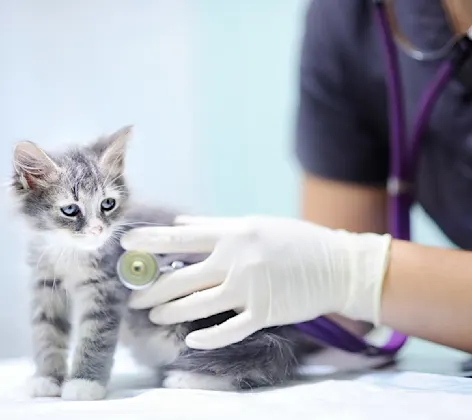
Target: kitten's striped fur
column 75, row 288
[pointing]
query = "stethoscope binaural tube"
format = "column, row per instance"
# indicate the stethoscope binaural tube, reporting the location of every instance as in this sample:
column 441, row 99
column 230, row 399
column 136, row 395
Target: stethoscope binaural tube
column 408, row 47
column 139, row 270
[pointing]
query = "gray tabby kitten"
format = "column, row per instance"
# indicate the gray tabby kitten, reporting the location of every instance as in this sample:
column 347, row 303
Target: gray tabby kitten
column 77, row 206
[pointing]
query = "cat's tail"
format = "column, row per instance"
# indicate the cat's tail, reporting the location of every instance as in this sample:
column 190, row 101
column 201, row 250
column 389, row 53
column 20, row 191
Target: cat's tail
column 266, row 358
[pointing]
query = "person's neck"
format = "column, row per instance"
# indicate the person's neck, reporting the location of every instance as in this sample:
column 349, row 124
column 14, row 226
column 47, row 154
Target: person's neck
column 459, row 13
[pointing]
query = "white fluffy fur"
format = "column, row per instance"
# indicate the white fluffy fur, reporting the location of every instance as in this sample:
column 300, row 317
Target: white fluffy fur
column 83, row 390
column 39, row 386
column 154, row 350
column 188, row 380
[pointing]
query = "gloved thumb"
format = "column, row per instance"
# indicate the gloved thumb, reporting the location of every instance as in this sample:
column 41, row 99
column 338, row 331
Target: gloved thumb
column 229, row 332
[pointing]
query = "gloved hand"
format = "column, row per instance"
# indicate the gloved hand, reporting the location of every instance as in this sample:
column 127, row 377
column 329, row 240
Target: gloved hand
column 272, row 271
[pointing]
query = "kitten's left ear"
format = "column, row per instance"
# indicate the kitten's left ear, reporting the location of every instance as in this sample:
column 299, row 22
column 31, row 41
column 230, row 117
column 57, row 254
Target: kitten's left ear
column 33, row 166
column 112, row 150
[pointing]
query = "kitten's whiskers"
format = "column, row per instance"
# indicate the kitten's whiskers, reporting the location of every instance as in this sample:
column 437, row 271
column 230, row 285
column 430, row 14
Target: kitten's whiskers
column 55, row 268
column 141, row 223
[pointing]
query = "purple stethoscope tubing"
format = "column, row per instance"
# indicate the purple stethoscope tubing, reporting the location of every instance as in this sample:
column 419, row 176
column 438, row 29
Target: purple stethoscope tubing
column 403, row 161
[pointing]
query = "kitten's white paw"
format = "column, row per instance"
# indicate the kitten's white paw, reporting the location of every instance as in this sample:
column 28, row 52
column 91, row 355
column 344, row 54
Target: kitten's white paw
column 188, row 380
column 43, row 386
column 83, row 390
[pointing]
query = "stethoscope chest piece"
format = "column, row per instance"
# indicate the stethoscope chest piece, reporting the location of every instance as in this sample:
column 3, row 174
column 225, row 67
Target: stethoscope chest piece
column 139, row 270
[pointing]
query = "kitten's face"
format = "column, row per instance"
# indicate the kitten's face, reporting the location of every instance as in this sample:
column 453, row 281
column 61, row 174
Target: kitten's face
column 75, row 198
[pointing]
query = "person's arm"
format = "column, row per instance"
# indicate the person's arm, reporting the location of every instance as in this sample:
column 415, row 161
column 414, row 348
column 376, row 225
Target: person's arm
column 343, row 205
column 427, row 293
column 341, row 139
column 341, row 150
column 301, row 271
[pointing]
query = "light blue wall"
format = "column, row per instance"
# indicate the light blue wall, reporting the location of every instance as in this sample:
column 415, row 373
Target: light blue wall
column 425, row 231
column 247, row 54
column 209, row 84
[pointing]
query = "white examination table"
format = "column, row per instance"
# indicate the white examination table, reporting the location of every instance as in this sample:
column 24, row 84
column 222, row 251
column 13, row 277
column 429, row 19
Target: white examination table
column 330, row 394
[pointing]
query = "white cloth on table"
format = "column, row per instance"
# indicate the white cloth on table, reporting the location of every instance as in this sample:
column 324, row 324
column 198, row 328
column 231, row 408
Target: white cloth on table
column 326, row 394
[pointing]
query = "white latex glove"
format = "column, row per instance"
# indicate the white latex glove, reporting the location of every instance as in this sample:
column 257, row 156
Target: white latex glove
column 273, row 271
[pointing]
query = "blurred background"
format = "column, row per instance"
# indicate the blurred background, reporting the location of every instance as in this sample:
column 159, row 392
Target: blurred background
column 211, row 86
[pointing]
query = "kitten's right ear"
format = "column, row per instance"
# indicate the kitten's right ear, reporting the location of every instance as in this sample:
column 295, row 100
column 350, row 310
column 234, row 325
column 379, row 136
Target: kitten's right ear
column 33, row 166
column 111, row 150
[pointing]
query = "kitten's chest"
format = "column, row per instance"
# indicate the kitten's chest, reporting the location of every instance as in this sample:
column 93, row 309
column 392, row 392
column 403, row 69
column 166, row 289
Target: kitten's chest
column 67, row 266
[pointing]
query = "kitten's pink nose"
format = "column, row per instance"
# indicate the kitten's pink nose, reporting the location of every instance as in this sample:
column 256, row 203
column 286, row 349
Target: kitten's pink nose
column 96, row 230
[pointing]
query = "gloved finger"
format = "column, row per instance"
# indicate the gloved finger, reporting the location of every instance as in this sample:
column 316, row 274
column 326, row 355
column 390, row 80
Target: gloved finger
column 197, row 306
column 176, row 284
column 229, row 332
column 173, row 239
column 185, row 219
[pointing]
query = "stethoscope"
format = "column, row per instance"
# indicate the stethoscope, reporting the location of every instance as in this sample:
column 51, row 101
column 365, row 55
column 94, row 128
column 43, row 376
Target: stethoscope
column 140, row 270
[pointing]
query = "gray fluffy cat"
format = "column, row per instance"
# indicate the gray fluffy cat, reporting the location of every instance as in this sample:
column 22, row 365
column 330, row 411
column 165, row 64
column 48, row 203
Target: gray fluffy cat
column 77, row 206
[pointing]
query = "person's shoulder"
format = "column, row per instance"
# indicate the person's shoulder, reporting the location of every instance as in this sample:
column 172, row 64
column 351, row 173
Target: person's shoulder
column 338, row 18
column 339, row 36
column 353, row 8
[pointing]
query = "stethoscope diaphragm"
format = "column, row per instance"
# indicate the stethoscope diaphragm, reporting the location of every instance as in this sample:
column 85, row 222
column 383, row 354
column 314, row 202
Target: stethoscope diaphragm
column 139, row 270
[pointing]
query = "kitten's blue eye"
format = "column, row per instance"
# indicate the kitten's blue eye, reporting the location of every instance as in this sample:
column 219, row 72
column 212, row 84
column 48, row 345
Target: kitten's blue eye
column 71, row 210
column 108, row 204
